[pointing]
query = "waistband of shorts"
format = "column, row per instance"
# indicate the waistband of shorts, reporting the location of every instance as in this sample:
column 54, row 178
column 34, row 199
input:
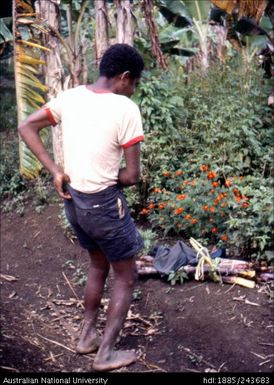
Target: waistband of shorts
column 100, row 194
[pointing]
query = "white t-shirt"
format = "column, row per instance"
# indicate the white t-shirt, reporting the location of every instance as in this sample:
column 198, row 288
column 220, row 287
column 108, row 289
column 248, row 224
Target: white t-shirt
column 96, row 127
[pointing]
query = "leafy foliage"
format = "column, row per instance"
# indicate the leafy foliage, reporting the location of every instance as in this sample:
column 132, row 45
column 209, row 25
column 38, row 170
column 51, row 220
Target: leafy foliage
column 177, row 276
column 207, row 156
column 149, row 238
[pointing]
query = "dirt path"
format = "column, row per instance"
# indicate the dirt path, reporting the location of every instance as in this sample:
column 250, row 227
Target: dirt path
column 194, row 327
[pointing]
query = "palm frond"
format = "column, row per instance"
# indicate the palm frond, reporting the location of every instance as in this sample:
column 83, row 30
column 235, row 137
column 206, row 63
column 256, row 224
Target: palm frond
column 29, row 89
column 35, row 45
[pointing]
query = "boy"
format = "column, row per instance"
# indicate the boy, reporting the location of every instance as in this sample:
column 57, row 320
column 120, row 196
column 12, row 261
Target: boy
column 100, row 124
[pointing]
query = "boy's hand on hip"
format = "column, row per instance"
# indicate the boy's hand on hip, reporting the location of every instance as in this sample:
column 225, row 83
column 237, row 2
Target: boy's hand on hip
column 60, row 180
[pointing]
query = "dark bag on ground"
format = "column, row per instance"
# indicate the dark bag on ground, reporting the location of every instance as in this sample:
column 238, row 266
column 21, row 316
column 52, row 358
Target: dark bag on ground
column 167, row 259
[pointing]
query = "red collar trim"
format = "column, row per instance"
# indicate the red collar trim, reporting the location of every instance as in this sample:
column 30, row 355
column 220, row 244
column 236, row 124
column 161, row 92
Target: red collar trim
column 99, row 91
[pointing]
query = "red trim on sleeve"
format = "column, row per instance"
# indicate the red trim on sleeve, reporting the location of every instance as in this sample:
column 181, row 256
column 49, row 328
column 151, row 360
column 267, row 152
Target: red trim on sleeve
column 50, row 116
column 133, row 141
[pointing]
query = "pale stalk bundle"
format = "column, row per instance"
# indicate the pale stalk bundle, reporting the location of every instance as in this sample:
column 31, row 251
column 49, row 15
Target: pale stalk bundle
column 203, row 257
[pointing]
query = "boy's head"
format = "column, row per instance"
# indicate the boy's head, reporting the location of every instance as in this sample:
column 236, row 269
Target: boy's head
column 120, row 58
column 124, row 64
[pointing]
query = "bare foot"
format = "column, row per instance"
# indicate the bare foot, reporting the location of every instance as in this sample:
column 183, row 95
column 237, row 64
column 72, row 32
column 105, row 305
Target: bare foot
column 115, row 360
column 89, row 342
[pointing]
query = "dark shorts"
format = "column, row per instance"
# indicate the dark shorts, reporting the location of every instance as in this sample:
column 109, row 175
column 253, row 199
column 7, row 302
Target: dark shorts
column 102, row 221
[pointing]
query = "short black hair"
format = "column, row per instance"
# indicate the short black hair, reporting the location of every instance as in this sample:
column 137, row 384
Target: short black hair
column 120, row 58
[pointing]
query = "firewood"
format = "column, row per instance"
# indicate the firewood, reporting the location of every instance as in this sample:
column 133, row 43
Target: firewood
column 147, row 258
column 264, row 269
column 141, row 264
column 264, row 277
column 234, row 263
column 223, row 271
column 145, row 267
column 146, row 270
column 239, row 281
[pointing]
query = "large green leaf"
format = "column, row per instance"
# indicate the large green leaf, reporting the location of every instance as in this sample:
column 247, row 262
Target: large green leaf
column 198, row 9
column 175, row 13
column 191, row 17
column 176, row 41
column 182, row 12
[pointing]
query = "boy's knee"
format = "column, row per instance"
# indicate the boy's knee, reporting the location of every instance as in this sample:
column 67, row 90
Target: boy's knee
column 128, row 279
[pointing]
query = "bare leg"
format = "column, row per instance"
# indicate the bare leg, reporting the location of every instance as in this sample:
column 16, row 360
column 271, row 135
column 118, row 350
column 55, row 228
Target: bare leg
column 124, row 279
column 98, row 271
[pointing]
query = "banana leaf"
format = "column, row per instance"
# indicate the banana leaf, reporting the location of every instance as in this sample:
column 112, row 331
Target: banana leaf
column 179, row 20
column 245, row 18
column 187, row 52
column 198, row 10
column 174, row 41
column 217, row 15
column 247, row 26
column 190, row 18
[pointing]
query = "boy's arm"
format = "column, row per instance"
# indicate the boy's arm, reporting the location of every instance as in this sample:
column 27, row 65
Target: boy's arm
column 130, row 174
column 29, row 132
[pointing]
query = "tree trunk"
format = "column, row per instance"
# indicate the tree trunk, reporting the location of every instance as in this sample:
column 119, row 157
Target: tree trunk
column 78, row 67
column 221, row 36
column 54, row 76
column 101, row 33
column 124, row 22
column 147, row 8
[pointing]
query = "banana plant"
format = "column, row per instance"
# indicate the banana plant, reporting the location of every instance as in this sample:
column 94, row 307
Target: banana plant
column 242, row 22
column 190, row 16
column 27, row 68
column 244, row 17
column 250, row 25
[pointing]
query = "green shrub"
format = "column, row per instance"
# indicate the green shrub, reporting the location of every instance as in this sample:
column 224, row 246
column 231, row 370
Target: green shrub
column 220, row 120
column 7, row 110
column 11, row 181
column 161, row 109
column 252, row 228
column 149, row 238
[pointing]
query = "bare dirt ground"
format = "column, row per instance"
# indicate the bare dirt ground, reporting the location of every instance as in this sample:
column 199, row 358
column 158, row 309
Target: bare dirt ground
column 194, row 327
